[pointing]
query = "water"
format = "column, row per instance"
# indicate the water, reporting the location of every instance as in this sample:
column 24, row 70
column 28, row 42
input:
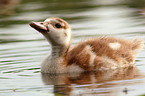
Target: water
column 22, row 48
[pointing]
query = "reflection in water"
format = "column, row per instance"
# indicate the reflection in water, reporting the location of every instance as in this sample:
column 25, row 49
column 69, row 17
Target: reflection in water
column 88, row 83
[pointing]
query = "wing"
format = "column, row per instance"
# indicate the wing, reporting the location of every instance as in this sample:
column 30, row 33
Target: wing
column 100, row 53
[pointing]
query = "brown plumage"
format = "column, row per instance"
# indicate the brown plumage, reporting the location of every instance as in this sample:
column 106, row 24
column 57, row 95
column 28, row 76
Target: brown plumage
column 92, row 54
column 123, row 56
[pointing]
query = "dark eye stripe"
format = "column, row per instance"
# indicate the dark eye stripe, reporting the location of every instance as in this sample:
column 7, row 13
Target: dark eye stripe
column 57, row 25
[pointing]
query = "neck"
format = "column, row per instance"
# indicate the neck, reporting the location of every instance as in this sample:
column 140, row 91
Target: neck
column 56, row 62
column 59, row 51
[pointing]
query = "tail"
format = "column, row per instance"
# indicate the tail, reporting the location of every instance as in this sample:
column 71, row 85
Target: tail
column 137, row 46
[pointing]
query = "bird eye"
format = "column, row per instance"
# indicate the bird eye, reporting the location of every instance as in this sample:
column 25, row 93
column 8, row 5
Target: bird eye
column 57, row 25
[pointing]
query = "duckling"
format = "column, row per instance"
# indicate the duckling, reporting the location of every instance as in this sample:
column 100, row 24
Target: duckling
column 90, row 55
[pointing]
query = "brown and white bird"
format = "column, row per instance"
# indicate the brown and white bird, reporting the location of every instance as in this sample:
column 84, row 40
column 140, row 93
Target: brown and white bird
column 90, row 55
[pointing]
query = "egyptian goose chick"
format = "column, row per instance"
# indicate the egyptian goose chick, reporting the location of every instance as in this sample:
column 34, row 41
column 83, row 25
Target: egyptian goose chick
column 90, row 55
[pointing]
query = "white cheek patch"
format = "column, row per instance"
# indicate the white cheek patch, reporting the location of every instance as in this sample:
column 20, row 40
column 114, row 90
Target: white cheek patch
column 68, row 32
column 115, row 45
column 59, row 36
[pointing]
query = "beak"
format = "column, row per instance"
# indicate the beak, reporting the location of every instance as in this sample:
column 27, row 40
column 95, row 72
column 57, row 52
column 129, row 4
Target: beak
column 38, row 26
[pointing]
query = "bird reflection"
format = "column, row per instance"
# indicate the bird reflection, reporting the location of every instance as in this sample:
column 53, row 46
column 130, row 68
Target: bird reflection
column 87, row 83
